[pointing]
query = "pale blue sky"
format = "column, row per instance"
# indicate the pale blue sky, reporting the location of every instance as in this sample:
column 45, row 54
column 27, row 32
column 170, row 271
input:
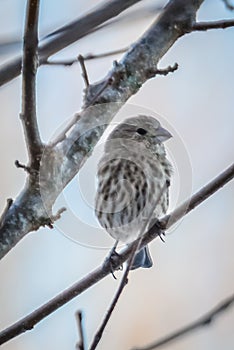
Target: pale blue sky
column 194, row 269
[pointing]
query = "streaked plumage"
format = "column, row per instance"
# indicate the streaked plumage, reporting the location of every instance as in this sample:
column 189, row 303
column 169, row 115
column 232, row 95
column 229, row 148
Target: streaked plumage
column 131, row 174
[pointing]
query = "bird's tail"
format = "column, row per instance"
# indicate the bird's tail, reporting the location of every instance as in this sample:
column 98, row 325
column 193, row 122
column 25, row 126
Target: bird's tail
column 142, row 259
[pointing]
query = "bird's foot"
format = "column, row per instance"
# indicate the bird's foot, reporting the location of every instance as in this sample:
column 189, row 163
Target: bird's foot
column 156, row 223
column 112, row 262
column 161, row 236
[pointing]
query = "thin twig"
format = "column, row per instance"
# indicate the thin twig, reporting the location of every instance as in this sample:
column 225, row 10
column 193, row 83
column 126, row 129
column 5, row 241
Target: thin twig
column 79, row 318
column 91, row 56
column 100, row 331
column 201, row 26
column 124, row 279
column 56, row 217
column 29, row 70
column 205, row 320
column 87, row 57
column 166, row 71
column 65, row 63
column 29, row 321
column 8, row 205
column 170, row 69
column 84, row 71
column 228, row 5
column 22, row 166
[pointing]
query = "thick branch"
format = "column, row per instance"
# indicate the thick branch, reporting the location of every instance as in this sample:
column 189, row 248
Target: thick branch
column 28, row 322
column 68, row 35
column 29, row 70
column 62, row 161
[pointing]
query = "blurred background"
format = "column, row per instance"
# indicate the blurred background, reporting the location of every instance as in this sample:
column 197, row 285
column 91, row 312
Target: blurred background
column 194, row 269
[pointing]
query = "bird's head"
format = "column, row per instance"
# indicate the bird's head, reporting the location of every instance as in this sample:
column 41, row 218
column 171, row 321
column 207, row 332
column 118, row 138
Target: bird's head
column 141, row 129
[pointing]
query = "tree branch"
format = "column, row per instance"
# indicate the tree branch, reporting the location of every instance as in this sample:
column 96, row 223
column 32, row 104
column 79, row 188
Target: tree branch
column 198, row 198
column 29, row 70
column 61, row 162
column 79, row 318
column 29, row 321
column 123, row 282
column 68, row 34
column 228, row 5
column 201, row 26
column 165, row 71
column 85, row 58
column 203, row 321
column 8, row 205
column 84, row 71
column 114, row 8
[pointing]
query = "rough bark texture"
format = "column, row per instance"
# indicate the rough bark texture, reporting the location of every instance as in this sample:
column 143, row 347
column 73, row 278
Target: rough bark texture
column 61, row 162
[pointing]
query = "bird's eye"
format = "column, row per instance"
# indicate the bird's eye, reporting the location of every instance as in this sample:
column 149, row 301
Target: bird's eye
column 141, row 131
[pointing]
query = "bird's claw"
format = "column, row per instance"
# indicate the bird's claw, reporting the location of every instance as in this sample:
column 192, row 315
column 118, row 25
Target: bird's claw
column 161, row 235
column 112, row 262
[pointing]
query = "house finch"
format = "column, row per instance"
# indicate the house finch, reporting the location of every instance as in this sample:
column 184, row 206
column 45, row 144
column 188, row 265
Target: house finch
column 132, row 174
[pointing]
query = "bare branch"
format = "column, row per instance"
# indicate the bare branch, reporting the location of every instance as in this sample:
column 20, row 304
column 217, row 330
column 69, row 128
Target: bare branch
column 61, row 162
column 23, row 166
column 8, row 205
column 29, row 70
column 84, row 71
column 100, row 331
column 79, row 318
column 68, row 35
column 65, row 63
column 165, row 71
column 203, row 321
column 56, row 217
column 198, row 198
column 75, row 31
column 29, row 321
column 201, row 26
column 104, row 54
column 228, row 5
column 87, row 57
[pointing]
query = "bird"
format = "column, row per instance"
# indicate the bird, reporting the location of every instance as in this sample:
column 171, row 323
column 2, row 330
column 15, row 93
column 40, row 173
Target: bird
column 133, row 181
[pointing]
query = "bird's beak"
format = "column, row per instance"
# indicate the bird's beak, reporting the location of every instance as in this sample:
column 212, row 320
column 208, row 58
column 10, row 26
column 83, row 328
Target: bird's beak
column 162, row 134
